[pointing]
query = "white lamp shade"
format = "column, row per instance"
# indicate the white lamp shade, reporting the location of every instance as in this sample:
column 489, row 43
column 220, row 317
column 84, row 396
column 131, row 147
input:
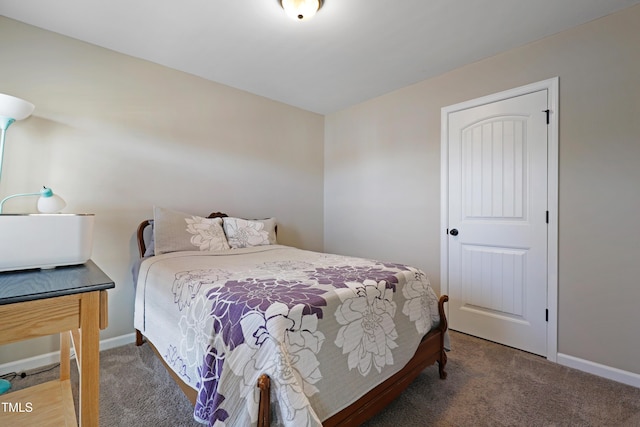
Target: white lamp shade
column 15, row 108
column 301, row 10
column 51, row 204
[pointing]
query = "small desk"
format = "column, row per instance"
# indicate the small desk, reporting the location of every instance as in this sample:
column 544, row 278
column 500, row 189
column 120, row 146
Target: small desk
column 71, row 301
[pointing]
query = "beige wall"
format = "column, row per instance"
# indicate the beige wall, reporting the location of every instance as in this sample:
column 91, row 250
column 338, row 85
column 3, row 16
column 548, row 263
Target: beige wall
column 382, row 176
column 115, row 135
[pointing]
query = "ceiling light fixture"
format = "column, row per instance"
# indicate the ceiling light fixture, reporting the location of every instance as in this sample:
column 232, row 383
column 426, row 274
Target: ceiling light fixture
column 301, row 10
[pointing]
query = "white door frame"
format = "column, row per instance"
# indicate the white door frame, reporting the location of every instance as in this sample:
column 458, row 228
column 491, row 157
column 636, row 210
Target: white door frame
column 551, row 85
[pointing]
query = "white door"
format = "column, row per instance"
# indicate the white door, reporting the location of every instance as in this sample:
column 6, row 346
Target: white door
column 497, row 221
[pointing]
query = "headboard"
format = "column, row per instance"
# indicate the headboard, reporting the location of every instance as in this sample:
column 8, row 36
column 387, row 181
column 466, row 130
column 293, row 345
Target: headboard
column 142, row 243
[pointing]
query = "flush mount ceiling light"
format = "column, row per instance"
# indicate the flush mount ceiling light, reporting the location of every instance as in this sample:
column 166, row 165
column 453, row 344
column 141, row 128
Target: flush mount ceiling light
column 301, row 10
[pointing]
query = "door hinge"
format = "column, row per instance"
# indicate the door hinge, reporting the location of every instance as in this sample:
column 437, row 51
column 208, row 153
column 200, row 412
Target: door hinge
column 547, row 217
column 548, row 113
column 546, row 315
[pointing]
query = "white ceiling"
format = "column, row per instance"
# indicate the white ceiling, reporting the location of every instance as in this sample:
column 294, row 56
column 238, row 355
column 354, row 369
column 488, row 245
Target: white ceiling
column 351, row 51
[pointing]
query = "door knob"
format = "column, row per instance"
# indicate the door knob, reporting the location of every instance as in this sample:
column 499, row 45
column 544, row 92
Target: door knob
column 453, row 232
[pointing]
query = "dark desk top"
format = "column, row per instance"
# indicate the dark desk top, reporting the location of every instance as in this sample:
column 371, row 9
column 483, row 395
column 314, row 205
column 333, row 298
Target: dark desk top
column 29, row 285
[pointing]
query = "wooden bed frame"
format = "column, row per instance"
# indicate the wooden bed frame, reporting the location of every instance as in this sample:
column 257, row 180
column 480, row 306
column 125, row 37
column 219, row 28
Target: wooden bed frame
column 430, row 351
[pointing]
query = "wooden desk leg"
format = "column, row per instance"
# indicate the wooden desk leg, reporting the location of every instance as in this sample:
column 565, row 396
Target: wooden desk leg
column 104, row 310
column 89, row 364
column 65, row 355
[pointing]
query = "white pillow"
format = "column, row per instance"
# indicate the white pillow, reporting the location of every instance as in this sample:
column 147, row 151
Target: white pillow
column 178, row 231
column 244, row 233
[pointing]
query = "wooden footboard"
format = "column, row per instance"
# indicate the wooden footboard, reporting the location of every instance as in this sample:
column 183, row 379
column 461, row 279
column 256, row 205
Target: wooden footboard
column 430, row 351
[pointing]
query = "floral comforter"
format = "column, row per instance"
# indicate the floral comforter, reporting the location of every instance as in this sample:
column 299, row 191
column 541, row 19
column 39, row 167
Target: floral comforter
column 325, row 328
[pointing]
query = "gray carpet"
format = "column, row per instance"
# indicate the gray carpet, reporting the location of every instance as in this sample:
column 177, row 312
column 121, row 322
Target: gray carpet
column 488, row 385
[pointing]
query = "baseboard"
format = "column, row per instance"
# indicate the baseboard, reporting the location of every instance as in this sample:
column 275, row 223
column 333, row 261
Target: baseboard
column 54, row 357
column 604, row 371
column 117, row 341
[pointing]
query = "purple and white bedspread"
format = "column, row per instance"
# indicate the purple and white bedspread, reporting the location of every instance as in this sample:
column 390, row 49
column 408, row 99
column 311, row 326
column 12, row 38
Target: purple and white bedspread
column 325, row 328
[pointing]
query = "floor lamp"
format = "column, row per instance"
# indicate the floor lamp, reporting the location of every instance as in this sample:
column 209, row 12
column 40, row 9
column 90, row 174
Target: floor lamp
column 12, row 109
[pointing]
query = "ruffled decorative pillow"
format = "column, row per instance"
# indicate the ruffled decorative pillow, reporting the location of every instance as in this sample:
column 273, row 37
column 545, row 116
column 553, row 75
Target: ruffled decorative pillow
column 244, row 233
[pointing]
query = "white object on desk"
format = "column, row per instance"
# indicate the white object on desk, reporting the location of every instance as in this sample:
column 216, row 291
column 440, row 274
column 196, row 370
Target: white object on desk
column 44, row 240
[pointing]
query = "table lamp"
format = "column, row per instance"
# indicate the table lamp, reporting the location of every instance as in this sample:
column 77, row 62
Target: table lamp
column 47, row 203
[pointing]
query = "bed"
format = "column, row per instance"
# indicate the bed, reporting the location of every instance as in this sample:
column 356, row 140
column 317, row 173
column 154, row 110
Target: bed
column 258, row 333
